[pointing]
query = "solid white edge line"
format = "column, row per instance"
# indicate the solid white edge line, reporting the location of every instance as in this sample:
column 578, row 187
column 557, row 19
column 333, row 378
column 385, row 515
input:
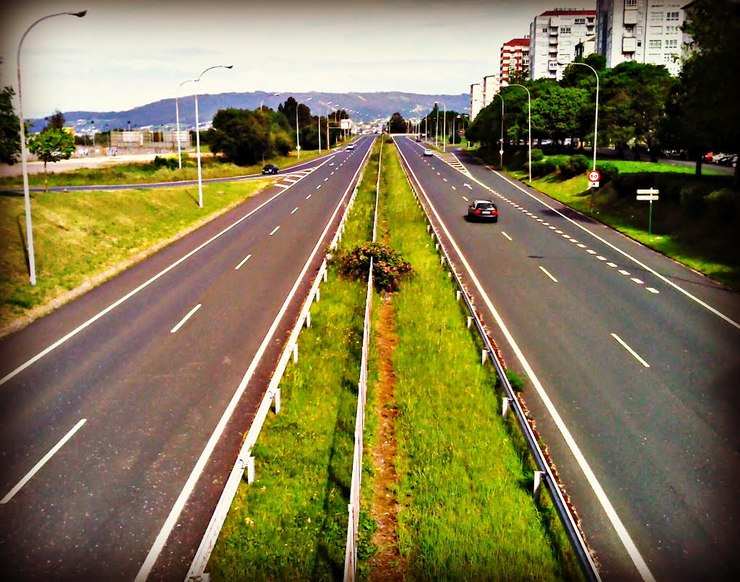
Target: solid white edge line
column 630, row 350
column 615, row 248
column 42, row 462
column 598, row 490
column 546, row 272
column 241, row 264
column 134, row 291
column 174, row 516
column 184, row 319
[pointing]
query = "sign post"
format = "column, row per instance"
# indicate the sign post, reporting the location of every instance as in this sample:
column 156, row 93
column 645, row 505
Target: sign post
column 649, row 194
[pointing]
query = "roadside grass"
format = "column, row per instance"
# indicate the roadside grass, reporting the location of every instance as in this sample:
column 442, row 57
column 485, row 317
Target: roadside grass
column 466, row 509
column 82, row 237
column 147, row 172
column 695, row 228
column 291, row 523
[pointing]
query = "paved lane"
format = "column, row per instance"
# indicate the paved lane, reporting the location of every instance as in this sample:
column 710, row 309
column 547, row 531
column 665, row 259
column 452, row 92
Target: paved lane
column 148, row 382
column 633, row 365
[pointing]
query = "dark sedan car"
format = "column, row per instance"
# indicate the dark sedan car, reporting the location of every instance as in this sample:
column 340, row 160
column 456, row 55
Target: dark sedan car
column 482, row 210
column 270, row 169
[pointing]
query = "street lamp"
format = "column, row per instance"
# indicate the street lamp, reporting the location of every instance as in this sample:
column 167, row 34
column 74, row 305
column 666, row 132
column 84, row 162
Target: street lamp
column 24, row 151
column 596, row 114
column 177, row 122
column 197, row 132
column 529, row 127
column 501, row 139
column 297, row 129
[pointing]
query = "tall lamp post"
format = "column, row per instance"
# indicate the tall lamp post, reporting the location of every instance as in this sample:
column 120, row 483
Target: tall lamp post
column 177, row 123
column 596, row 114
column 24, row 151
column 197, row 132
column 529, row 127
column 501, row 139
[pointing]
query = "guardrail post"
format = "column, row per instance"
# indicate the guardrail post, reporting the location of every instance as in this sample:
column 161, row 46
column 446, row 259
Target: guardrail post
column 276, row 401
column 505, row 406
column 483, row 355
column 326, row 275
column 308, row 319
column 457, row 295
column 295, row 353
column 317, row 297
column 538, row 476
column 470, row 321
column 250, row 469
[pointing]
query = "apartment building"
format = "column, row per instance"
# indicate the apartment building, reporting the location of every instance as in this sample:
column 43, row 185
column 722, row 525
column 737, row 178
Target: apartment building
column 646, row 31
column 554, row 37
column 514, row 59
column 491, row 86
column 476, row 99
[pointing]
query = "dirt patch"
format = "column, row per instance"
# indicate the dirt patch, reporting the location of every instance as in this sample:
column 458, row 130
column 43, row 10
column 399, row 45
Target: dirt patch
column 387, row 564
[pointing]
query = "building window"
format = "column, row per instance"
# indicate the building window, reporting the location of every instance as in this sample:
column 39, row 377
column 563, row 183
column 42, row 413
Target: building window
column 544, row 30
column 580, row 21
column 671, row 43
column 565, row 30
column 654, row 44
column 671, row 16
column 656, row 16
column 630, row 4
column 655, row 31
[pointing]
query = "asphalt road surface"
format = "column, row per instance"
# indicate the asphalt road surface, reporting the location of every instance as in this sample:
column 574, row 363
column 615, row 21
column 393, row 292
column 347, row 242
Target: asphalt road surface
column 632, row 364
column 123, row 411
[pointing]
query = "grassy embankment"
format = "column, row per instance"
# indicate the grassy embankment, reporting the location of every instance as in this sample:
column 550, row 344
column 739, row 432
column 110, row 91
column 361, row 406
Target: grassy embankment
column 465, row 511
column 696, row 221
column 85, row 237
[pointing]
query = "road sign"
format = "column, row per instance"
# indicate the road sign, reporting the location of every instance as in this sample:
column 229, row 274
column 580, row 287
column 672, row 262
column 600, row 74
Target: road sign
column 594, row 176
column 650, row 195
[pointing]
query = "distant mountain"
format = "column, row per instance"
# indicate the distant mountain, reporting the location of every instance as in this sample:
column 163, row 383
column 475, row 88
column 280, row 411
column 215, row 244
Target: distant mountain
column 161, row 114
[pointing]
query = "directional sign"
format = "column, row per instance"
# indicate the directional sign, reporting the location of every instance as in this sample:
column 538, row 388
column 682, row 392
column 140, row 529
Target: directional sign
column 648, row 197
column 651, row 195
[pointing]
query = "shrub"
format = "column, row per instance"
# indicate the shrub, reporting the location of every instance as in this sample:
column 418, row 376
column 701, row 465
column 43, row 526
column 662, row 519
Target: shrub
column 608, row 172
column 388, row 266
column 537, row 155
column 542, row 167
column 573, row 166
column 692, row 200
column 159, row 162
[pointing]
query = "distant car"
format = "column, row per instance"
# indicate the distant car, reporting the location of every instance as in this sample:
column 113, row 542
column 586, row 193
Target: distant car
column 351, row 146
column 270, row 169
column 483, row 210
column 427, row 152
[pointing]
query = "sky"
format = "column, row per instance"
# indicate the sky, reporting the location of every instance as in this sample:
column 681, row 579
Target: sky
column 127, row 53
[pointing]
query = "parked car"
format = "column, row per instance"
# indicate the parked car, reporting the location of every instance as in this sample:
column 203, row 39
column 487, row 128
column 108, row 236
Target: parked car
column 708, row 157
column 483, row 210
column 717, row 157
column 427, row 152
column 726, row 159
column 270, row 169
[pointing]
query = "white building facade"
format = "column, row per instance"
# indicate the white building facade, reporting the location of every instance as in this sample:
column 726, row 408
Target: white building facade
column 646, row 31
column 491, row 86
column 476, row 100
column 514, row 59
column 553, row 38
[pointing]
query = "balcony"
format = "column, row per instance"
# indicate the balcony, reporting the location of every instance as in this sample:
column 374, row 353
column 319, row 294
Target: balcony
column 629, row 45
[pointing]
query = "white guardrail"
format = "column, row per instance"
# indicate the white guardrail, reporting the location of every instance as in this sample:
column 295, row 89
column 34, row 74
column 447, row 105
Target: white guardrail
column 544, row 473
column 271, row 399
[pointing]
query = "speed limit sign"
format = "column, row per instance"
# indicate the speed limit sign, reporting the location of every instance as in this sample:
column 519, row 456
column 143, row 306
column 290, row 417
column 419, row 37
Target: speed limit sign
column 593, row 178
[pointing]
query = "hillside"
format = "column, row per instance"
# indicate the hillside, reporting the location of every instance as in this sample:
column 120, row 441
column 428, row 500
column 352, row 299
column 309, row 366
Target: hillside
column 161, row 114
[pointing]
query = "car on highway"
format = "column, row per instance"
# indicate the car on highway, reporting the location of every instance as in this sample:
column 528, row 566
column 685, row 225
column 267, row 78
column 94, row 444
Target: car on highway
column 482, row 210
column 351, row 146
column 270, row 169
column 427, row 152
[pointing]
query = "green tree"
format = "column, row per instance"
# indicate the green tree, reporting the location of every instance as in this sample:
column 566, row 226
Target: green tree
column 10, row 139
column 633, row 104
column 55, row 121
column 397, row 123
column 52, row 145
column 703, row 112
column 557, row 111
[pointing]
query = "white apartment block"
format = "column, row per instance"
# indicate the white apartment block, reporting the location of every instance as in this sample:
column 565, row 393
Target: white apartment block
column 476, row 100
column 553, row 38
column 491, row 86
column 646, row 31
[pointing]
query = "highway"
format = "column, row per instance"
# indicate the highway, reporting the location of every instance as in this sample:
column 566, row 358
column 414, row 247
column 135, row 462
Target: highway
column 121, row 413
column 632, row 367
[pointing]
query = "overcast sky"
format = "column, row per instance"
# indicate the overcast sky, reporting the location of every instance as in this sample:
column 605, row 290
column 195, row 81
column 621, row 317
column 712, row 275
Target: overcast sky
column 126, row 53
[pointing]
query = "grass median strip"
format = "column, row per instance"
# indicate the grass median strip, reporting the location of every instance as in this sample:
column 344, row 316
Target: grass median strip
column 464, row 509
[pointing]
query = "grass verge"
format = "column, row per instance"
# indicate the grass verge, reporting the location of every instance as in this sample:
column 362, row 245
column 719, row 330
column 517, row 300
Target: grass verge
column 466, row 509
column 83, row 237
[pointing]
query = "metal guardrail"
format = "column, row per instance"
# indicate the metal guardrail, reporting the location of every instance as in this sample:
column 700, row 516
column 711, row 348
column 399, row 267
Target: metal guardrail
column 543, row 474
column 245, row 460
